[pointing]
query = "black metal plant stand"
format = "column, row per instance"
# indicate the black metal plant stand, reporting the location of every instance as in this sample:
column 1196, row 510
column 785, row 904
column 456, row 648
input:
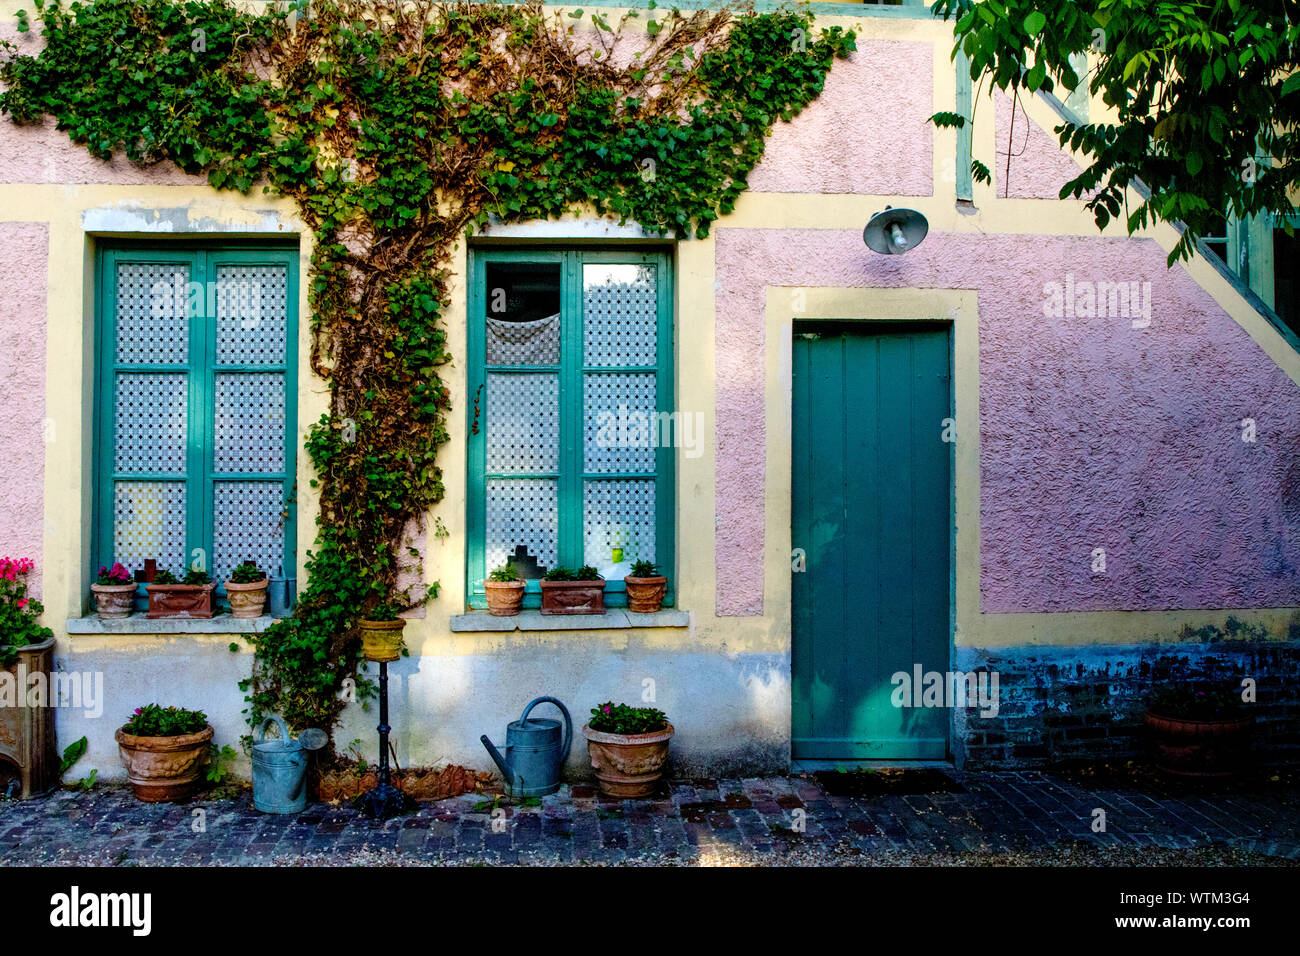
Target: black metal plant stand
column 384, row 800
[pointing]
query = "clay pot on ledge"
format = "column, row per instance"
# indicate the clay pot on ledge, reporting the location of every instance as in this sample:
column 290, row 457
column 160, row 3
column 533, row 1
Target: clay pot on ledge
column 181, row 600
column 504, row 598
column 381, row 641
column 645, row 595
column 628, row 765
column 573, row 597
column 164, row 769
column 113, row 602
column 247, row 600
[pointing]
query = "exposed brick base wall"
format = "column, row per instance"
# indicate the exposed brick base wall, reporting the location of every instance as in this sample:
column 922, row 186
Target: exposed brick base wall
column 1060, row 704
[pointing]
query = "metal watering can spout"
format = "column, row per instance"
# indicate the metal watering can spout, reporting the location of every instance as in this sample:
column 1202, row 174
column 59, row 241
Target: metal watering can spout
column 535, row 751
column 500, row 761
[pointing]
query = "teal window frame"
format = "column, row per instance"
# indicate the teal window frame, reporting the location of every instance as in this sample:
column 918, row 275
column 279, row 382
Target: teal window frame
column 572, row 368
column 203, row 259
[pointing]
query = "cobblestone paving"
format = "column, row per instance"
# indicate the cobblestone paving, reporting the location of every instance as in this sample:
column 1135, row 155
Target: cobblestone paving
column 771, row 818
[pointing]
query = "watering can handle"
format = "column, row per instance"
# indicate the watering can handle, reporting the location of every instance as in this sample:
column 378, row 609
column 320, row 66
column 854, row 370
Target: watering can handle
column 260, row 733
column 568, row 723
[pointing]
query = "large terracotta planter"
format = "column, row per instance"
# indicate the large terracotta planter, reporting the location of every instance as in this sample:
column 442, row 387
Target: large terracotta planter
column 247, row 600
column 504, row 598
column 573, row 597
column 164, row 769
column 645, row 595
column 1199, row 748
column 381, row 641
column 628, row 765
column 114, row 601
column 181, row 600
column 27, row 727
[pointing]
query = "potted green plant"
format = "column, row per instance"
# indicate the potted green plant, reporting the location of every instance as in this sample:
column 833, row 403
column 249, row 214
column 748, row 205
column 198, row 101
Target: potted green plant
column 26, row 663
column 565, row 591
column 645, row 588
column 246, row 590
column 164, row 750
column 505, row 590
column 1198, row 731
column 381, row 633
column 114, row 593
column 172, row 597
column 628, row 747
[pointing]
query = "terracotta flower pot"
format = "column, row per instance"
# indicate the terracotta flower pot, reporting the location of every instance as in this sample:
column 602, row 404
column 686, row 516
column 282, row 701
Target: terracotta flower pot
column 114, row 601
column 1199, row 748
column 628, row 765
column 504, row 598
column 27, row 718
column 573, row 597
column 247, row 600
column 645, row 595
column 164, row 768
column 381, row 641
column 181, row 600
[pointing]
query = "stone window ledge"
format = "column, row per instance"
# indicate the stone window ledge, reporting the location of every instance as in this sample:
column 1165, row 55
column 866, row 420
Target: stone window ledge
column 138, row 623
column 614, row 619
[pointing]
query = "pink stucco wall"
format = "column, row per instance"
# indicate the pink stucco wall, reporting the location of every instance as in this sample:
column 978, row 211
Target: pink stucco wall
column 23, row 432
column 1093, row 434
column 41, row 153
column 1039, row 167
column 839, row 145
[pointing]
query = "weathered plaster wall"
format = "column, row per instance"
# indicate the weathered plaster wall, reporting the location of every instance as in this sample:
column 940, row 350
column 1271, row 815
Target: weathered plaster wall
column 1093, row 434
column 23, row 432
column 837, row 145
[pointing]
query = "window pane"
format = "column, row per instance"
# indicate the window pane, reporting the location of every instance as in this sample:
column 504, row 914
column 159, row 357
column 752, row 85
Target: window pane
column 523, row 313
column 620, row 304
column 150, row 423
column 151, row 316
column 523, row 422
column 523, row 523
column 618, row 514
column 248, row 525
column 249, row 432
column 619, row 422
column 149, row 522
column 251, row 302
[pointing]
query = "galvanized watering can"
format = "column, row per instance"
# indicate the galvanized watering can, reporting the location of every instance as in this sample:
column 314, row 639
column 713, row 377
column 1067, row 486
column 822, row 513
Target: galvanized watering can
column 280, row 767
column 534, row 752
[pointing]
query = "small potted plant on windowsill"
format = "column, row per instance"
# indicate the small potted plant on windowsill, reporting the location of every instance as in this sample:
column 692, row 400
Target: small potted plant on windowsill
column 1198, row 731
column 381, row 634
column 645, row 588
column 246, row 590
column 573, row 592
column 628, row 747
column 505, row 591
column 114, row 593
column 164, row 750
column 192, row 597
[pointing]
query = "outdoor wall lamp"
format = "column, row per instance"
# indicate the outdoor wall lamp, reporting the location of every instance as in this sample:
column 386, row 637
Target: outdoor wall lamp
column 892, row 232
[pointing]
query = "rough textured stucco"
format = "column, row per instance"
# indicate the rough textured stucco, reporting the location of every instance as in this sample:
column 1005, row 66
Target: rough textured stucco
column 1039, row 167
column 41, row 153
column 24, row 247
column 837, row 146
column 1093, row 433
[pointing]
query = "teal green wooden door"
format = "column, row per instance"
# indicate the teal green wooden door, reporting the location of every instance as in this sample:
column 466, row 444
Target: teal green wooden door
column 871, row 511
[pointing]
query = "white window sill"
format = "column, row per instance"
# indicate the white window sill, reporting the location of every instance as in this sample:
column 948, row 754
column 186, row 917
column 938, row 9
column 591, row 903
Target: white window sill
column 138, row 623
column 615, row 619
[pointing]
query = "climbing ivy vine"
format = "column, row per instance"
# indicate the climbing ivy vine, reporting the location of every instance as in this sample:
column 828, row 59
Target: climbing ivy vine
column 398, row 128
